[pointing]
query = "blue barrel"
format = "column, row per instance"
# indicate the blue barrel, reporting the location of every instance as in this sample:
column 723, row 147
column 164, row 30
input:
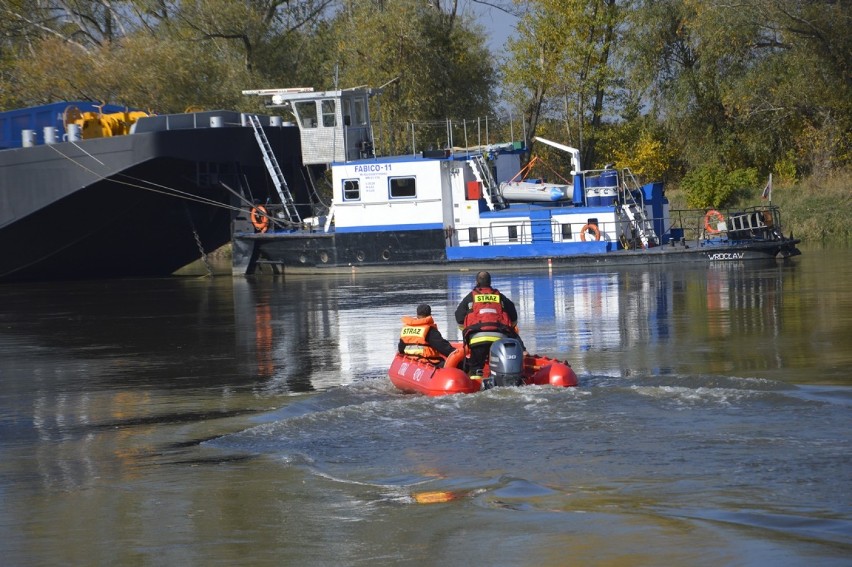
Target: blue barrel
column 609, row 187
column 609, row 178
column 592, row 195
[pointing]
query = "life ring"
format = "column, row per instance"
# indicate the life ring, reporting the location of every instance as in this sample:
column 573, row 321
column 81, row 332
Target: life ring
column 260, row 218
column 708, row 219
column 593, row 228
column 455, row 359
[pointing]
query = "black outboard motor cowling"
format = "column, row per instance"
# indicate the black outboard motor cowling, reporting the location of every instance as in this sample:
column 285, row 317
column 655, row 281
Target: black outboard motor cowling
column 507, row 362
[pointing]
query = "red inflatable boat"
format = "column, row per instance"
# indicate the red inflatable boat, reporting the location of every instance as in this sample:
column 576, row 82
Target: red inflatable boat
column 418, row 376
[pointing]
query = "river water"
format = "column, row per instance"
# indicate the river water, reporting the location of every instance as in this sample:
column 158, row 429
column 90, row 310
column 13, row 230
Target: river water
column 234, row 421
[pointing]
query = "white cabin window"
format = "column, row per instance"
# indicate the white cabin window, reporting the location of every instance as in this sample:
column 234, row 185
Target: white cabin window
column 351, row 190
column 307, row 113
column 329, row 113
column 402, row 187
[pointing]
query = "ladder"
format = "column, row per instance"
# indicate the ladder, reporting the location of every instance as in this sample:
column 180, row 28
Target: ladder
column 274, row 170
column 634, row 213
column 482, row 172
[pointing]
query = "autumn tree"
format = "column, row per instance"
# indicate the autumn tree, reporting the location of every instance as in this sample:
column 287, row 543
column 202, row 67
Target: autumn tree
column 563, row 67
column 429, row 59
column 165, row 55
column 748, row 85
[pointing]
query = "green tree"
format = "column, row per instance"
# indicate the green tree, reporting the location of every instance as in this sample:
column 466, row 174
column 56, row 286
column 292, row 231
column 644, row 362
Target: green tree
column 710, row 186
column 743, row 85
column 431, row 62
column 563, row 67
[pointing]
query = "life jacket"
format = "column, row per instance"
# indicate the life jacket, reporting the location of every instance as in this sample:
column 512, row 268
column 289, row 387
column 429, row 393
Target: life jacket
column 414, row 333
column 486, row 320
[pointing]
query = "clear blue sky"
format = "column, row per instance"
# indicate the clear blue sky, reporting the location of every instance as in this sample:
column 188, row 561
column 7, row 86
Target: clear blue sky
column 498, row 23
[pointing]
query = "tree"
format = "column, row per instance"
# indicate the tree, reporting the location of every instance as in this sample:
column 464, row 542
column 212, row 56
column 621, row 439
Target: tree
column 166, row 54
column 431, row 62
column 741, row 86
column 563, row 67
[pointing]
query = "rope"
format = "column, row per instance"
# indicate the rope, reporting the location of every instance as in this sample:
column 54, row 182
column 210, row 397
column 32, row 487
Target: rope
column 163, row 189
column 528, row 167
column 198, row 242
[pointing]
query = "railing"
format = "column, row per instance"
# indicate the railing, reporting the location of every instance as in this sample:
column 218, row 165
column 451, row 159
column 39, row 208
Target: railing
column 277, row 214
column 503, row 233
column 683, row 226
column 751, row 223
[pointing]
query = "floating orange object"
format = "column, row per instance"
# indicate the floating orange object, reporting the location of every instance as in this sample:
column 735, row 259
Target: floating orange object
column 434, row 497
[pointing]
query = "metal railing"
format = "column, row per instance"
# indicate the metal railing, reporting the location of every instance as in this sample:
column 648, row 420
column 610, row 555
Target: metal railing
column 682, row 225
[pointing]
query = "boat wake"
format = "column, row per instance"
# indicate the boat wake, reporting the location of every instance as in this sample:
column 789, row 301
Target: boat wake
column 653, row 446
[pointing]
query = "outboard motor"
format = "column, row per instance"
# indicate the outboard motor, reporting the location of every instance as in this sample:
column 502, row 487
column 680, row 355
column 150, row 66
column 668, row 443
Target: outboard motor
column 507, row 362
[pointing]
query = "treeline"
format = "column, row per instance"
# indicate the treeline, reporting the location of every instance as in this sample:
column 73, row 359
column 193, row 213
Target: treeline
column 707, row 92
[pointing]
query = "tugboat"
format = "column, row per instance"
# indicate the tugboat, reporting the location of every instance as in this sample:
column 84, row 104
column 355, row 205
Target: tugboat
column 461, row 208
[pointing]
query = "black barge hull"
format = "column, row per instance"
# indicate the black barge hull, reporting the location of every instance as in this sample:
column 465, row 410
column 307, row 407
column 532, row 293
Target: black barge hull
column 140, row 205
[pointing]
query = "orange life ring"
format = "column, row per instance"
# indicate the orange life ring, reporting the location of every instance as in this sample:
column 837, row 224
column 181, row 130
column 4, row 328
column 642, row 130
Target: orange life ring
column 455, row 359
column 708, row 218
column 260, row 218
column 593, row 228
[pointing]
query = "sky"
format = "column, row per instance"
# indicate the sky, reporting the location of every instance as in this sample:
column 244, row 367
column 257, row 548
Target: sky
column 498, row 23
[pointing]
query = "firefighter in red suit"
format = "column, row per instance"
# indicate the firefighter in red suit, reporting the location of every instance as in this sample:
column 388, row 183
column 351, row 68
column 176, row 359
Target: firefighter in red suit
column 485, row 315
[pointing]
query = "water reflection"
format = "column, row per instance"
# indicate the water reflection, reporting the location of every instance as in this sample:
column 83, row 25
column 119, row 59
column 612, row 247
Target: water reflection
column 309, row 333
column 289, row 331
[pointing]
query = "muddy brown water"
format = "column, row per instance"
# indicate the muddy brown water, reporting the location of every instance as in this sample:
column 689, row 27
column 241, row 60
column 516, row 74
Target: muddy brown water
column 234, row 421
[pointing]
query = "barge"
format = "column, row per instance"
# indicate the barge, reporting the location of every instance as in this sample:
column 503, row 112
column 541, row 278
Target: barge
column 87, row 194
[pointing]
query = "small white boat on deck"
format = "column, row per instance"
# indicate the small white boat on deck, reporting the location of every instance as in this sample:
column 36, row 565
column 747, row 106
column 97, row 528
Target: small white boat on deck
column 532, row 191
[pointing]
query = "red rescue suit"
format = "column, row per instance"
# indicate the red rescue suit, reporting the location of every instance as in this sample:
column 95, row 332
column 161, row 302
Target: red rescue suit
column 487, row 321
